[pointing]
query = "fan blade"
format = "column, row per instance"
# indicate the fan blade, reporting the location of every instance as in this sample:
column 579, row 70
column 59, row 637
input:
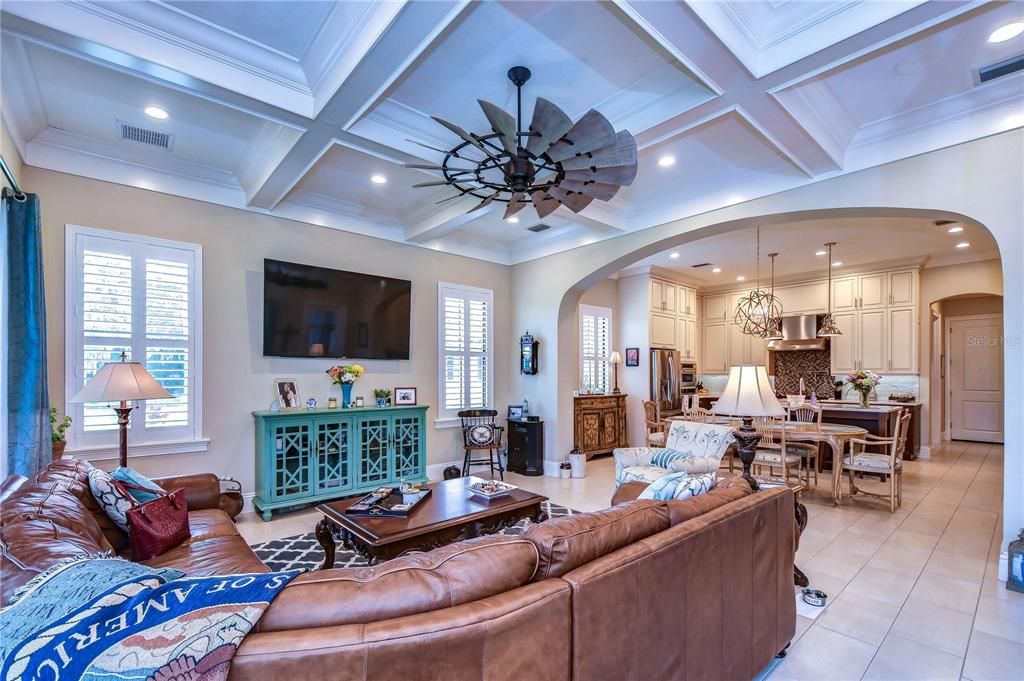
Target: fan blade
column 571, row 200
column 622, row 153
column 544, row 203
column 503, row 124
column 483, row 203
column 459, row 195
column 430, row 184
column 623, row 175
column 427, row 146
column 460, row 132
column 593, row 131
column 515, row 204
column 599, row 190
column 550, row 122
column 431, row 166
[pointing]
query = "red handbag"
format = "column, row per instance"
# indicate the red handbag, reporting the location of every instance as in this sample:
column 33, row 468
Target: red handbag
column 156, row 526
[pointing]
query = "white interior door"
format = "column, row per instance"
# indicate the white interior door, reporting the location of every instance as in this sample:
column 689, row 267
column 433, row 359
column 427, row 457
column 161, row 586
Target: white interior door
column 975, row 374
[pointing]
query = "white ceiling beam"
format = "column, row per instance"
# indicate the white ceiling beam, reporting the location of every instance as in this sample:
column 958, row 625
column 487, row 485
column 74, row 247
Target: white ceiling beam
column 453, row 216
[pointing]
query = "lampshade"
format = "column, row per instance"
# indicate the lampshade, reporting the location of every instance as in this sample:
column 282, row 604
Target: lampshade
column 116, row 381
column 615, row 357
column 748, row 393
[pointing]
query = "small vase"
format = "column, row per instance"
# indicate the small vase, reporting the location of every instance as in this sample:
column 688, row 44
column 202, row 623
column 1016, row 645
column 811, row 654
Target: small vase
column 346, row 395
column 864, row 400
column 382, row 401
column 57, row 450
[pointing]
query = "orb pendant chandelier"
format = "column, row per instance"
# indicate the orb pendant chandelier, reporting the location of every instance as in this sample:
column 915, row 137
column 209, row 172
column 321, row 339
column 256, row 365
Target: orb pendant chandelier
column 774, row 323
column 757, row 311
column 554, row 162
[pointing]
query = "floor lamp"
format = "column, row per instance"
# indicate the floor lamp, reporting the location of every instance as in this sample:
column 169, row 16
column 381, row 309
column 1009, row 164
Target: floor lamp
column 122, row 382
column 747, row 394
column 616, row 360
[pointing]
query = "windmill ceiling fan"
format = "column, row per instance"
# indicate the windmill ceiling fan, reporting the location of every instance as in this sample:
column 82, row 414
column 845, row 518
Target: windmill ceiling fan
column 555, row 162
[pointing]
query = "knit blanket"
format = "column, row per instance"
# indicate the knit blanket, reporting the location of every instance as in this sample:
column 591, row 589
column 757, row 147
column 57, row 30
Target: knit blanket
column 106, row 618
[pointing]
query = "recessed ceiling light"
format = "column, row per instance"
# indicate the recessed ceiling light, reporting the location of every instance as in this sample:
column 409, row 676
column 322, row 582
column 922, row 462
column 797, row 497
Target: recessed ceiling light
column 963, row 244
column 837, row 263
column 666, row 161
column 673, row 255
column 1007, row 32
column 378, row 179
column 156, row 112
column 514, row 220
column 741, row 278
column 955, row 229
column 819, row 253
column 1014, row 121
column 717, row 270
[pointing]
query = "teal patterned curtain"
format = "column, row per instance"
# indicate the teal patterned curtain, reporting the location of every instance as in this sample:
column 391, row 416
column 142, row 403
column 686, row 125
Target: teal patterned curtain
column 28, row 401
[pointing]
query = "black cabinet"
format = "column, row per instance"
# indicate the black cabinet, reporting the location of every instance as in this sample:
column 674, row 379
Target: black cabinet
column 526, row 447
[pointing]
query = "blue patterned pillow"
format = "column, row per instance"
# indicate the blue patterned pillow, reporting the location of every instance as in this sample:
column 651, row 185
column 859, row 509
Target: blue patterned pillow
column 113, row 501
column 132, row 476
column 679, row 485
column 663, row 458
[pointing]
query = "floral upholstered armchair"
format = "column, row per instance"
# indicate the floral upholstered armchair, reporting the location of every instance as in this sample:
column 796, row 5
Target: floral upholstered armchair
column 691, row 447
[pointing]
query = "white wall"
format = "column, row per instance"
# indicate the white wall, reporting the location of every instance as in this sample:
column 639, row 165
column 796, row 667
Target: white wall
column 978, row 182
column 634, row 303
column 237, row 377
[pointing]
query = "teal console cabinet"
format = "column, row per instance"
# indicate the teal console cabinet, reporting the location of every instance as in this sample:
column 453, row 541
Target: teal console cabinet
column 311, row 455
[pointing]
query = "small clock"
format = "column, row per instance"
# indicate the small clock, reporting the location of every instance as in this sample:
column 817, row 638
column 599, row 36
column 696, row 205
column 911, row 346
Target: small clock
column 528, row 347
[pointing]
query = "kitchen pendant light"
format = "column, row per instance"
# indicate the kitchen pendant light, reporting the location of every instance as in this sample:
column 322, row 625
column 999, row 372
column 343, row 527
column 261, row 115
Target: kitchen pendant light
column 756, row 311
column 775, row 323
column 828, row 324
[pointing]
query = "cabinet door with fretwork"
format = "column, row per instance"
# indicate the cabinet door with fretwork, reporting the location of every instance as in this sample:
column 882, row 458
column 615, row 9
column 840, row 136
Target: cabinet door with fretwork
column 334, row 455
column 374, row 441
column 290, row 457
column 410, row 449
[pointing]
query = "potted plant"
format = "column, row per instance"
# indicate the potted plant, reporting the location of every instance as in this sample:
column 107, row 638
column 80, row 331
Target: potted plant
column 565, row 469
column 383, row 396
column 345, row 375
column 57, row 429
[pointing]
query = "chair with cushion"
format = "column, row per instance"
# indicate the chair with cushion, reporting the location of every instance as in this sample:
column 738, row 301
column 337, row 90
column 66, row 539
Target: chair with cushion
column 774, row 451
column 887, row 461
column 807, row 413
column 654, row 425
column 691, row 447
column 481, row 433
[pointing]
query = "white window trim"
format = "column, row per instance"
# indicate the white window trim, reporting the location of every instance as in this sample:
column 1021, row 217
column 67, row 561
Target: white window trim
column 595, row 311
column 446, row 419
column 73, row 347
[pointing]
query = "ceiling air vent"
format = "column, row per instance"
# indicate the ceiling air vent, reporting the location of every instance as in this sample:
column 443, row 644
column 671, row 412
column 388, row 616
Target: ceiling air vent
column 140, row 135
column 539, row 228
column 1000, row 69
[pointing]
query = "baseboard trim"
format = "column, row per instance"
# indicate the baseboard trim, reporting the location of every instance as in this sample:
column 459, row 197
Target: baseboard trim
column 551, row 468
column 924, row 452
column 247, row 506
column 1004, row 566
column 436, row 471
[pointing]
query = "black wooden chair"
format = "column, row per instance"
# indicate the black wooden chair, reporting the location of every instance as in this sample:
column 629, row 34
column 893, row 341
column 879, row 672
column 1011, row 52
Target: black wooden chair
column 480, row 432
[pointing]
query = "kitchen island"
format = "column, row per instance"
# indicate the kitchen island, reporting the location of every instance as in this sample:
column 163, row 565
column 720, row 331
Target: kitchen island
column 879, row 418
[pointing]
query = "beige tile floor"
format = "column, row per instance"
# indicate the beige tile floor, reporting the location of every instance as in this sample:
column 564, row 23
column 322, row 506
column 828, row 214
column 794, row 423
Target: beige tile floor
column 912, row 595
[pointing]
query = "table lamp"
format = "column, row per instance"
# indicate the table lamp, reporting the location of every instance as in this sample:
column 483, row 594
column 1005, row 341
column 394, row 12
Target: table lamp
column 616, row 359
column 748, row 393
column 122, row 382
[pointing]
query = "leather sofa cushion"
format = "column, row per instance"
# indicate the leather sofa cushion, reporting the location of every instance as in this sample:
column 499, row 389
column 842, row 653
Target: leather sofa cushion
column 209, row 523
column 686, row 509
column 210, row 555
column 417, row 583
column 74, row 475
column 568, row 542
column 51, row 500
column 33, row 545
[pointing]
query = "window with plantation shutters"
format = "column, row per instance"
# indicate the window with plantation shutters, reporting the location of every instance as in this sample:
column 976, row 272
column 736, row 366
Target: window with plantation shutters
column 138, row 296
column 595, row 347
column 465, row 352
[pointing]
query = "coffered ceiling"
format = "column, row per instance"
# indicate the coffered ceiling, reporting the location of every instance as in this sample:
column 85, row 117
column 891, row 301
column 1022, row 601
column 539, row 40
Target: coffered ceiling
column 290, row 108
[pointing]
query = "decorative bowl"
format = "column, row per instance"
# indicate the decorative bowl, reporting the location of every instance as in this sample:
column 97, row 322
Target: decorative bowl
column 491, row 489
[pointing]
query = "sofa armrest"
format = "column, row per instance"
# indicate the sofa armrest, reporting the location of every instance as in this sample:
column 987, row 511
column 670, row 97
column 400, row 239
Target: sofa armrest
column 202, row 490
column 628, row 491
column 631, row 456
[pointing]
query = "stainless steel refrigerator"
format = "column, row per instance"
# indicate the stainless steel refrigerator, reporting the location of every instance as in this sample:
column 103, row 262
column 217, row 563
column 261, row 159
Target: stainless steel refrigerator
column 665, row 379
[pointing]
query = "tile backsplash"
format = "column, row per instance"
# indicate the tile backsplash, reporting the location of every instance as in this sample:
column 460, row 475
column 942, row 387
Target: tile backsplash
column 814, row 366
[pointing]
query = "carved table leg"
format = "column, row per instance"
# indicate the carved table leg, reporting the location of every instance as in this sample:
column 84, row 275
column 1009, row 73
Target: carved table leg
column 799, row 578
column 325, row 535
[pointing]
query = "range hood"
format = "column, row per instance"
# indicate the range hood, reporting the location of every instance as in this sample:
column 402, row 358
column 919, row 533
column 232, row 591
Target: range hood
column 800, row 333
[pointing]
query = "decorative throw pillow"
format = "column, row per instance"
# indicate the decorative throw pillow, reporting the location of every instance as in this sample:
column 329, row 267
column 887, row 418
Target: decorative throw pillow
column 113, row 501
column 134, row 477
column 679, row 485
column 481, row 435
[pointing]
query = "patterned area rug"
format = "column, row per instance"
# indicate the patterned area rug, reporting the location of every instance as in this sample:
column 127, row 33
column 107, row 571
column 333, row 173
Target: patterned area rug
column 303, row 552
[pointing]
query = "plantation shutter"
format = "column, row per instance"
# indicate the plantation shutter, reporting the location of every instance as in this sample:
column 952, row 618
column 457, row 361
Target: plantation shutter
column 465, row 348
column 595, row 347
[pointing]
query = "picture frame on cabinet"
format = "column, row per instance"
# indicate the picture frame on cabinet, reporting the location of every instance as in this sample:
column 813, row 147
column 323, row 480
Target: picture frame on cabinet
column 632, row 357
column 515, row 412
column 405, row 397
column 286, row 391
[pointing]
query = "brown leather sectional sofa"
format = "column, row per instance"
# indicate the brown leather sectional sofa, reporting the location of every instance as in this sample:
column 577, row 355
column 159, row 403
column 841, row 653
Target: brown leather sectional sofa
column 700, row 589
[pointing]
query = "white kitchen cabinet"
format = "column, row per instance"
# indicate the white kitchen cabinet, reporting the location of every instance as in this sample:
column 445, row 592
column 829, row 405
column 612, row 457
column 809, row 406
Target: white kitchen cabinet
column 715, row 307
column 902, row 288
column 663, row 330
column 715, row 352
column 806, row 298
column 871, row 291
column 738, row 347
column 871, row 338
column 687, row 301
column 844, row 294
column 902, row 337
column 844, row 359
column 663, row 296
column 686, row 334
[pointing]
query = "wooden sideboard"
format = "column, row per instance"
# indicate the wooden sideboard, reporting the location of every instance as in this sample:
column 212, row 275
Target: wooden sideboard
column 309, row 455
column 599, row 423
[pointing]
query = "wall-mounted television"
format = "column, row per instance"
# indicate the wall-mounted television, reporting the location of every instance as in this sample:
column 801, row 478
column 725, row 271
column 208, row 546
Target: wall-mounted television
column 318, row 312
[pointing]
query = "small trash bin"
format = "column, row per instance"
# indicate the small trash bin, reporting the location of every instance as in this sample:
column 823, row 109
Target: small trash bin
column 579, row 465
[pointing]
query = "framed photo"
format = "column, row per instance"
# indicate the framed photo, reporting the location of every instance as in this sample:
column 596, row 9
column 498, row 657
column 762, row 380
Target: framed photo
column 632, row 357
column 515, row 411
column 287, row 391
column 405, row 397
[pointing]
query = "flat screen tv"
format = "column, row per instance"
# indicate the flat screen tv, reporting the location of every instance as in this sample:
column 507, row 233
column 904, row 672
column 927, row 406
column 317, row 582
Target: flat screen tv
column 318, row 312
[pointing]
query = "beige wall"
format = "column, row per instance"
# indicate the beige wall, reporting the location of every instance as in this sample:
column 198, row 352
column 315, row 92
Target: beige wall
column 11, row 155
column 237, row 378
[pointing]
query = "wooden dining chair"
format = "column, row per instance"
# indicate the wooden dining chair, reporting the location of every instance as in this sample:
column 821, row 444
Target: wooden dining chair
column 774, row 451
column 807, row 413
column 656, row 429
column 888, row 461
column 480, row 432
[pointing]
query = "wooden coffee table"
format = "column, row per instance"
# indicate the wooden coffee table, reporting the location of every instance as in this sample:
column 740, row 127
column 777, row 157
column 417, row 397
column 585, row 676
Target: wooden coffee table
column 448, row 515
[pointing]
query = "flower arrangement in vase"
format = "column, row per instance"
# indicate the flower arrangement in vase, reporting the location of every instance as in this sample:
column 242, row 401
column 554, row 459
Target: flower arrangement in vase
column 345, row 375
column 864, row 382
column 383, row 396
